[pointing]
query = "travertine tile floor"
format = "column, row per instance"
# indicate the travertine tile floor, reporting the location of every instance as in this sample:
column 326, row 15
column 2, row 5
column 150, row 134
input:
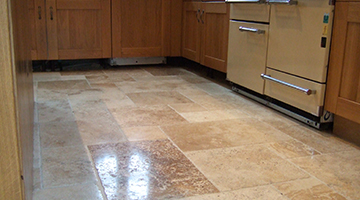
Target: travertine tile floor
column 164, row 132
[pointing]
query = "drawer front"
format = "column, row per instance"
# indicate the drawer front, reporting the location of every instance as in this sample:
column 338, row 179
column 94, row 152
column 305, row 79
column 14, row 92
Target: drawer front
column 250, row 12
column 310, row 103
column 247, row 55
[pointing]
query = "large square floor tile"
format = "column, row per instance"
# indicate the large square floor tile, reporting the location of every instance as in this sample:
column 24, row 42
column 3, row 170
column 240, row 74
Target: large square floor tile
column 147, row 170
column 241, row 167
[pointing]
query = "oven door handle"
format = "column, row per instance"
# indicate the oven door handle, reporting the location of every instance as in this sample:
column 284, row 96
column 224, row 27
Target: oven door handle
column 306, row 91
column 288, row 2
column 252, row 30
column 246, row 1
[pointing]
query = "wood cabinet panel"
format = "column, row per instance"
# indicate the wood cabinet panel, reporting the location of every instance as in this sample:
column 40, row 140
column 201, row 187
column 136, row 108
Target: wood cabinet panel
column 343, row 87
column 37, row 29
column 205, row 33
column 215, row 36
column 78, row 29
column 141, row 28
column 191, row 31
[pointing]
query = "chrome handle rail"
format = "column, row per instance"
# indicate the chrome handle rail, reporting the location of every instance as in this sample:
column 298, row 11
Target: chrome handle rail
column 252, row 30
column 289, row 2
column 306, row 91
column 245, row 1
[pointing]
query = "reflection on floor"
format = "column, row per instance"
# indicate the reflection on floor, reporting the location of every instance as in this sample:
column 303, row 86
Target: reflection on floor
column 164, row 132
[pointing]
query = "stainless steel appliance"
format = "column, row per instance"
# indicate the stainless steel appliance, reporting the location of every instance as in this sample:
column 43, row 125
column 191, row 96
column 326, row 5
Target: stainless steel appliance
column 283, row 60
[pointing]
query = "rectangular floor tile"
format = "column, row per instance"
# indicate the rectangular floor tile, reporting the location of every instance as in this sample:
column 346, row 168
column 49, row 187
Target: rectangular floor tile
column 66, row 166
column 218, row 134
column 55, row 110
column 256, row 193
column 158, row 98
column 241, row 167
column 293, row 149
column 340, row 171
column 147, row 170
column 84, row 191
column 146, row 116
column 310, row 189
column 59, row 134
column 144, row 133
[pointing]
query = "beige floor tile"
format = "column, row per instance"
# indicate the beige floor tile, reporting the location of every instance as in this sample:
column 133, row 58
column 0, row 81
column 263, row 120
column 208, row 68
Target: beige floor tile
column 292, row 149
column 217, row 134
column 213, row 88
column 340, row 171
column 205, row 116
column 309, row 189
column 82, row 72
column 187, row 107
column 50, row 94
column 79, row 192
column 100, row 130
column 59, row 134
column 151, row 86
column 55, row 110
column 191, row 91
column 64, row 86
column 146, row 116
column 108, row 78
column 164, row 70
column 144, row 133
column 320, row 141
column 147, row 170
column 210, row 102
column 241, row 167
column 256, row 193
column 66, row 166
column 192, row 78
column 158, row 98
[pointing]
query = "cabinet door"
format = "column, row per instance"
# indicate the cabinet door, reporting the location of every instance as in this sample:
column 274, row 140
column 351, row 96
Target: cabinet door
column 343, row 88
column 191, row 30
column 140, row 28
column 214, row 40
column 78, row 29
column 37, row 29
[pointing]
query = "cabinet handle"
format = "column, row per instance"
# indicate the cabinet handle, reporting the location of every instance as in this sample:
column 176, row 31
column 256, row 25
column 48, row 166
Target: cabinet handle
column 201, row 16
column 252, row 30
column 289, row 2
column 306, row 91
column 197, row 15
column 39, row 12
column 51, row 13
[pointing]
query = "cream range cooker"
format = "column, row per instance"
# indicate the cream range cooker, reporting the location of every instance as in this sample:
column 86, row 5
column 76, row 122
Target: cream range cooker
column 278, row 54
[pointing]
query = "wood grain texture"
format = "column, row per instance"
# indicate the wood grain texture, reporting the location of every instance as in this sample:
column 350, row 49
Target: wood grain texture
column 336, row 56
column 347, row 129
column 215, row 36
column 191, row 31
column 82, row 26
column 343, row 87
column 140, row 24
column 175, row 28
column 38, row 29
column 17, row 101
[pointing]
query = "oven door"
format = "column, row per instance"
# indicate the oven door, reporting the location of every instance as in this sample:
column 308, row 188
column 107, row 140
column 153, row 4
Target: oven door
column 247, row 54
column 301, row 93
column 299, row 38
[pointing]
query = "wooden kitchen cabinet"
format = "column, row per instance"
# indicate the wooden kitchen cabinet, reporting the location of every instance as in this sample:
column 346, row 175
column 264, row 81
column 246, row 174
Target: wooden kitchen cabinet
column 72, row 29
column 141, row 28
column 343, row 86
column 205, row 33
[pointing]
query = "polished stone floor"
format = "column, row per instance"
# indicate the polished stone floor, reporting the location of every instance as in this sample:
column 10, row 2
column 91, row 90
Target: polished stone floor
column 163, row 132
